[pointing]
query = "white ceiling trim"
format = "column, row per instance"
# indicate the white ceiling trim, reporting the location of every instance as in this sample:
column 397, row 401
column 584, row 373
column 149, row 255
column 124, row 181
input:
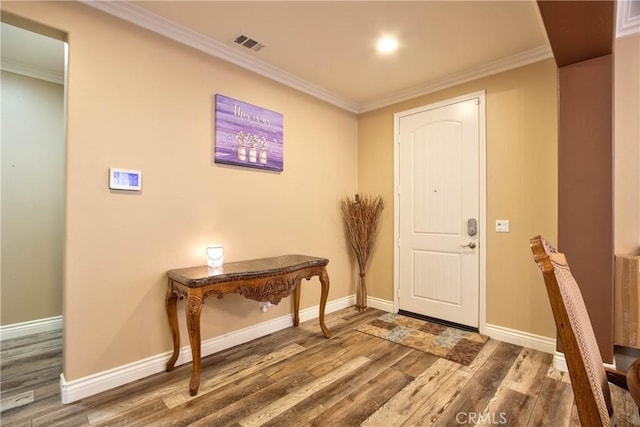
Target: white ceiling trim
column 504, row 64
column 158, row 24
column 625, row 23
column 30, row 71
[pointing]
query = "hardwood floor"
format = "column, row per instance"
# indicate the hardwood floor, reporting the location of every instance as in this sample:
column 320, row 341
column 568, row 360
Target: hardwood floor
column 296, row 377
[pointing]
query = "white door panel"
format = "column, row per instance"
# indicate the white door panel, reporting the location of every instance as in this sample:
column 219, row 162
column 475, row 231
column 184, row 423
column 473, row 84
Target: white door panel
column 434, row 274
column 438, row 192
column 435, row 183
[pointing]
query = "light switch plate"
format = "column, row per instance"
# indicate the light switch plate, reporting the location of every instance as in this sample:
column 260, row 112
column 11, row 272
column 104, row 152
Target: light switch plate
column 502, row 225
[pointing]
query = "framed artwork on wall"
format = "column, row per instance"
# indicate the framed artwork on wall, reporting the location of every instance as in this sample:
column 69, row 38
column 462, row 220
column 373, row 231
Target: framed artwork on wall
column 247, row 135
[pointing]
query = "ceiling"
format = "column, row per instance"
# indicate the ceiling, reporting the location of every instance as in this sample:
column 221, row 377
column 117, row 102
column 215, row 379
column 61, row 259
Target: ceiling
column 32, row 54
column 327, row 48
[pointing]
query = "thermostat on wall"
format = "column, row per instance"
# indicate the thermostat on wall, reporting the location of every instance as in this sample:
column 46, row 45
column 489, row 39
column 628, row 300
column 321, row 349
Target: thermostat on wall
column 125, row 179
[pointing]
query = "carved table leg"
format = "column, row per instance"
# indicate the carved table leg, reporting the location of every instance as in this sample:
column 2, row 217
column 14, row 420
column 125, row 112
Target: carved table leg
column 324, row 280
column 172, row 299
column 193, row 309
column 296, row 304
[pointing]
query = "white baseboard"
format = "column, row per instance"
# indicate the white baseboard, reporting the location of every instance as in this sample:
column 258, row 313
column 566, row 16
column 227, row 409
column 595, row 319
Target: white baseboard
column 524, row 339
column 72, row 391
column 18, row 330
column 624, row 357
column 380, row 304
column 559, row 362
column 84, row 387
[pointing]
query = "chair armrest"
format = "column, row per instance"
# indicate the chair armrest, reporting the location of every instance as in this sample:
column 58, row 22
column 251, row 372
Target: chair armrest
column 616, row 377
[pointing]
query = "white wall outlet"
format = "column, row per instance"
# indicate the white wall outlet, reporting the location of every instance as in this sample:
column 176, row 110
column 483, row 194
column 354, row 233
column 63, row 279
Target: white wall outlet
column 502, row 225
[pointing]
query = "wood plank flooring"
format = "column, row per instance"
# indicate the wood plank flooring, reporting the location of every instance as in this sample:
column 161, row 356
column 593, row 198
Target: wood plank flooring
column 295, row 377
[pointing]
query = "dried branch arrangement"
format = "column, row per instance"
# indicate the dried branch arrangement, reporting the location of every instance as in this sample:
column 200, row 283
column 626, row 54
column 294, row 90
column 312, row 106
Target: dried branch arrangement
column 361, row 217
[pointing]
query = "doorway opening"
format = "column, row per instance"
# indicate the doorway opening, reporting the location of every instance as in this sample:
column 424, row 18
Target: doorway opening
column 33, row 150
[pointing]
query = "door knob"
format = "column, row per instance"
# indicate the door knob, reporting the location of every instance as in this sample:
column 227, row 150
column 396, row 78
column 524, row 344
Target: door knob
column 469, row 245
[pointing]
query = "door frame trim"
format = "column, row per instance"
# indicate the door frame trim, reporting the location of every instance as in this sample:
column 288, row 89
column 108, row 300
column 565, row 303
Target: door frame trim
column 482, row 171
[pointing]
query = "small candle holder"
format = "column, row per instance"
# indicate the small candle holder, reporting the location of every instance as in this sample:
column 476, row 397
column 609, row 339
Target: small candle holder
column 215, row 256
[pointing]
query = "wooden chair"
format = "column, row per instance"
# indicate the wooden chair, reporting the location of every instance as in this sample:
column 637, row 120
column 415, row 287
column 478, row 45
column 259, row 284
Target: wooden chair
column 589, row 377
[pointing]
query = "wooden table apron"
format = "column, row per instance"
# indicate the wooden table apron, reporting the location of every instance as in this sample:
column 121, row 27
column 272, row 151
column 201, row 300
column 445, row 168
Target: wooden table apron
column 263, row 280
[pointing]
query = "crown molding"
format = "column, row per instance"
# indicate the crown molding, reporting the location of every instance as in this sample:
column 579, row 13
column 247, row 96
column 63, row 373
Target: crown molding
column 184, row 35
column 31, row 71
column 158, row 24
column 504, row 64
column 625, row 23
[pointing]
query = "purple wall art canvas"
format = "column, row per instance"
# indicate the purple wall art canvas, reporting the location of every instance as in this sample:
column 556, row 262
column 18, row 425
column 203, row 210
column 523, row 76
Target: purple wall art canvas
column 247, row 135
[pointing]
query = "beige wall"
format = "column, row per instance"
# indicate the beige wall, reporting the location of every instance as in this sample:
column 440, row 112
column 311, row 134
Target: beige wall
column 521, row 187
column 137, row 100
column 32, row 198
column 627, row 144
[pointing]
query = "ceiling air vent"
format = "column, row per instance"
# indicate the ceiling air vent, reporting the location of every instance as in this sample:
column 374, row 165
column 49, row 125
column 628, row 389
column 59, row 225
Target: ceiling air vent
column 248, row 42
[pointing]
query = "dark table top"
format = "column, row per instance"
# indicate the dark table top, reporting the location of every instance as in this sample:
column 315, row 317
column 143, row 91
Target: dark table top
column 195, row 277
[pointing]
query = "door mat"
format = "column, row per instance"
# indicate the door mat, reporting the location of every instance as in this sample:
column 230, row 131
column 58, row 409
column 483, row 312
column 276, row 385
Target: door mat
column 443, row 341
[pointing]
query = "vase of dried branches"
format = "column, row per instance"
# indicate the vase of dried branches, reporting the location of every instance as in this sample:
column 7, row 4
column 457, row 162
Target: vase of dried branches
column 361, row 216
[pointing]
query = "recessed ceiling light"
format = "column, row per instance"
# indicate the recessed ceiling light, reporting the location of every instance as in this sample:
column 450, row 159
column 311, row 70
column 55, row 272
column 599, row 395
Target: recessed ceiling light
column 387, row 44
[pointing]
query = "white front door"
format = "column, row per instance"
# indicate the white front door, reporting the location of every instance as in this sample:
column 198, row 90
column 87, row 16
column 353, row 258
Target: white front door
column 438, row 173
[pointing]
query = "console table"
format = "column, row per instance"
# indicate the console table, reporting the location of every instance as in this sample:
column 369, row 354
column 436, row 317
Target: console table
column 263, row 280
